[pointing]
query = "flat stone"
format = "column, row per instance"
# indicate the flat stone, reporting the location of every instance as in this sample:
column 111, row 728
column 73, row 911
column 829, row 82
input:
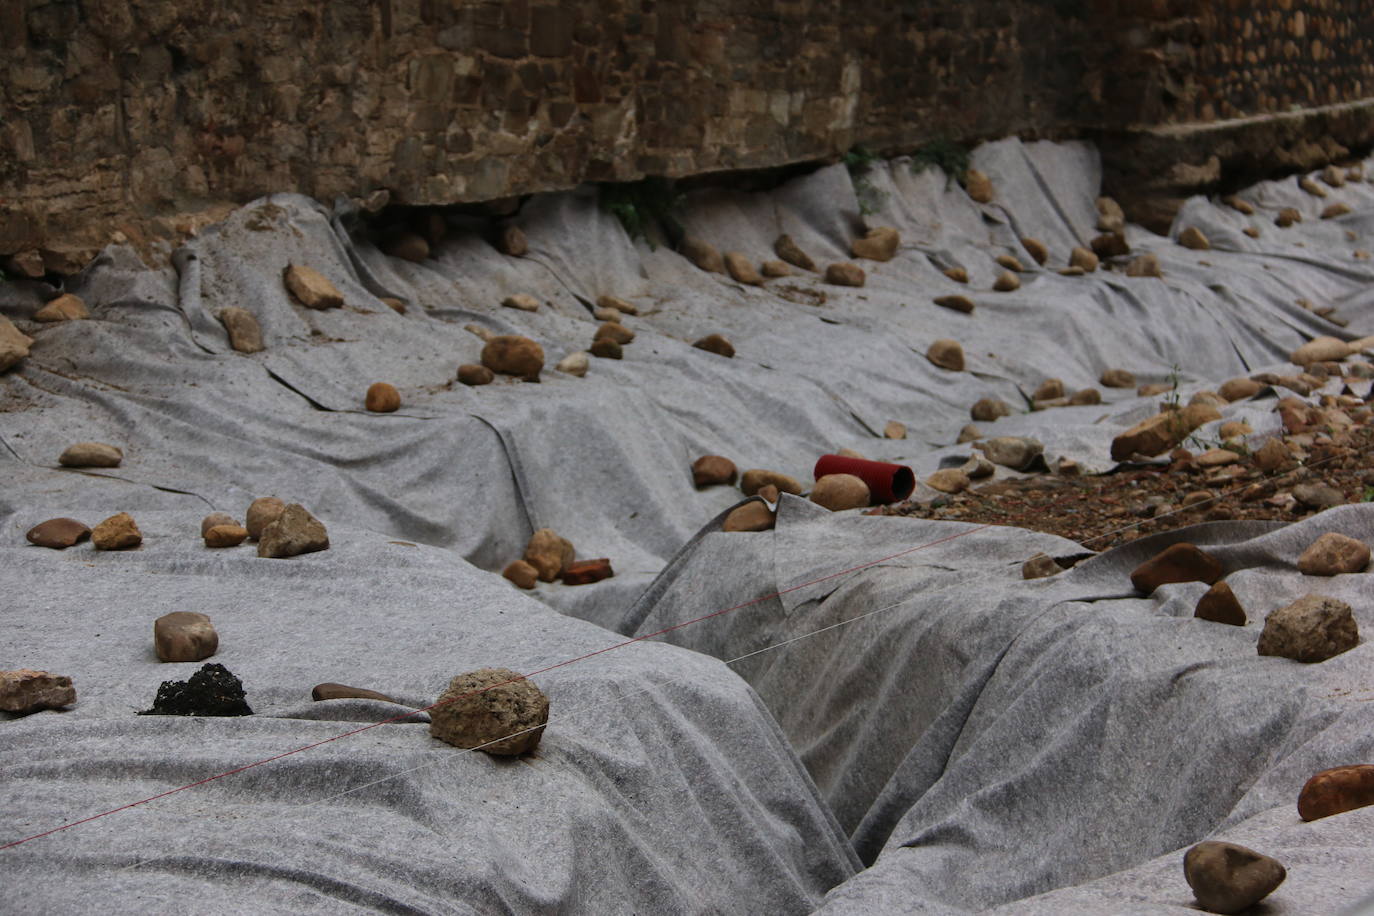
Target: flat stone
column 472, row 375
column 948, row 480
column 879, row 244
column 1040, row 566
column 1181, row 562
column 613, row 331
column 894, row 430
column 989, row 409
column 845, row 274
column 262, row 512
column 1252, row 231
column 294, row 532
column 245, row 334
column 620, row 305
column 1311, row 629
column 332, row 691
column 752, row 516
column 575, row 363
column 605, row 348
column 118, row 532
column 512, row 242
column 1085, row 397
column 977, row 467
column 1117, row 378
column 14, row 344
column 479, row 331
column 58, row 533
column 523, row 574
column 1193, row 238
column 1240, row 389
column 1311, row 187
column 184, row 636
column 713, row 470
column 1320, row 350
column 1010, row 262
column 601, row 314
column 1336, row 791
column 226, row 536
column 957, row 274
column 1220, row 605
column 1084, row 259
column 1318, row 495
column 1216, row 457
column 1240, row 206
column 511, row 354
column 492, row 709
column 91, row 455
column 1036, row 249
column 25, row 691
column 1006, row 282
column 1020, row 453
column 1156, row 435
column 756, row 478
column 947, row 354
column 955, row 303
column 585, row 572
column 549, row 553
column 773, row 269
column 717, row 344
column 1334, row 554
column 311, row 288
column 382, row 397
column 742, row 269
column 978, row 186
column 703, row 254
column 791, row 252
column 522, row 302
column 1227, row 878
column 1335, row 210
column 838, row 492
column 66, row 307
column 1147, row 265
column 1150, row 389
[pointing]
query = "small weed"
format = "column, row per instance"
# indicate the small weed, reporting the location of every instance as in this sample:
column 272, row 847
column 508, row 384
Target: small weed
column 859, row 161
column 947, row 156
column 1368, row 495
column 641, row 204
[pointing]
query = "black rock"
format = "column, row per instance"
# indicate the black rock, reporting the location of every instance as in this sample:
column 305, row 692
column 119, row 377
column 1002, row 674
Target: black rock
column 211, row 691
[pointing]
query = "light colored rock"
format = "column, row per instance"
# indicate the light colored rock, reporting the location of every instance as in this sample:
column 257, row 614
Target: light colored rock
column 1193, row 238
column 58, row 533
column 25, row 691
column 245, row 334
column 1216, row 457
column 1036, row 249
column 1334, row 554
column 957, row 274
column 521, row 301
column 879, row 244
column 1049, row 389
column 1072, row 272
column 1336, row 791
column 845, row 274
column 741, row 269
column 1311, row 187
column 1006, row 282
column 1085, row 397
column 772, row 269
column 969, row 433
column 1239, row 389
column 1320, row 350
column 118, row 532
column 311, row 288
column 703, row 254
column 91, row 455
column 492, row 709
column 756, row 478
column 1335, row 210
column 1311, row 629
column 977, row 467
column 717, row 344
column 184, row 636
column 66, row 307
column 979, row 186
column 1151, row 389
column 14, row 344
column 262, row 512
column 1010, row 262
column 1040, row 566
column 1227, row 878
column 1110, row 216
column 838, row 492
column 549, row 553
column 752, row 516
column 790, row 252
column 523, row 574
column 1084, row 259
column 1156, row 435
column 955, row 303
column 511, row 354
column 1240, row 206
column 575, row 363
column 894, row 430
column 1252, row 231
column 226, row 536
column 601, row 314
column 618, row 304
column 216, row 519
column 294, row 532
column 479, row 331
column 396, row 305
column 382, row 397
column 473, row 375
column 713, row 470
column 947, row 354
column 1234, row 430
column 948, row 480
column 1210, row 398
column 1147, row 265
column 1020, row 453
column 851, row 453
column 989, row 409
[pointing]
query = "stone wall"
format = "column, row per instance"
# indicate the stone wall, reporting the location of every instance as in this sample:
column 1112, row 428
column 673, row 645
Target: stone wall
column 132, row 116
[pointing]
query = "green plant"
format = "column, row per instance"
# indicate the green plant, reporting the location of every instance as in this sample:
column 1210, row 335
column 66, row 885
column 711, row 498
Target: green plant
column 859, row 161
column 641, row 204
column 1368, row 495
column 946, row 155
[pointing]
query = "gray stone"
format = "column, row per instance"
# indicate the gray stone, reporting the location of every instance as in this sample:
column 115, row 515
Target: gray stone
column 1040, row 566
column 245, row 334
column 492, row 709
column 1311, row 629
column 1019, row 453
column 24, row 691
column 292, row 533
column 1227, row 878
column 184, row 636
column 1334, row 554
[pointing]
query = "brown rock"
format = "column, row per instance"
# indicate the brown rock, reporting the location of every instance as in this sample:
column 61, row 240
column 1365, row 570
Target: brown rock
column 332, row 691
column 1273, row 456
column 605, row 348
column 601, row 314
column 230, row 535
column 1177, row 563
column 617, row 332
column 989, row 409
column 756, row 478
column 739, row 267
column 1084, row 259
column 511, row 354
column 24, row 691
column 769, row 494
column 512, row 241
column 790, row 252
column 1153, row 388
column 969, row 433
column 58, row 533
column 522, row 573
column 1220, row 605
column 947, row 354
column 838, row 492
column 1216, row 457
column 1311, row 187
column 1147, row 265
column 1335, row 210
column 91, row 455
column 752, row 516
column 479, row 331
column 1040, row 566
column 957, row 274
column 311, row 288
column 775, row 269
column 245, row 335
column 294, row 532
column 1227, row 878
column 879, row 244
column 955, row 303
column 382, row 397
column 948, row 480
column 979, row 186
column 14, row 345
column 1006, row 282
column 713, row 470
column 27, row 263
column 1117, row 378
column 620, row 305
column 575, row 363
column 64, row 308
column 894, row 430
column 1085, row 397
column 492, row 709
column 1336, row 791
column 717, row 344
column 408, row 246
column 1234, row 429
column 1320, row 350
column 1110, row 245
column 703, row 254
column 1193, row 238
column 1252, row 231
column 1240, row 206
column 549, row 553
column 1110, row 216
column 262, row 512
column 845, row 274
column 1239, row 389
column 522, row 301
column 1318, row 495
column 396, row 305
column 1010, row 263
column 1036, row 249
column 1288, row 216
column 1311, row 629
column 1156, row 435
column 1049, row 389
column 118, row 532
column 585, row 572
column 472, row 374
column 1334, row 554
column 184, row 636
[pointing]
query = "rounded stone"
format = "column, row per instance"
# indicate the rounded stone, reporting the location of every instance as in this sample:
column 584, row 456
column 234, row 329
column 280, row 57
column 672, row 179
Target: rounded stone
column 1049, row 389
column 521, row 301
column 575, row 364
column 215, row 519
column 947, row 354
column 1083, row 259
column 605, row 348
column 955, row 303
column 703, row 254
column 58, row 533
column 741, row 269
column 845, row 274
column 492, row 709
column 948, row 480
column 382, row 397
column 1040, row 566
column 91, row 455
column 408, row 246
column 756, row 478
column 1336, row 791
column 1036, row 249
column 1006, row 282
column 522, row 574
column 1117, row 378
column 989, row 409
column 1334, row 554
column 1194, row 239
column 791, row 252
column 879, row 244
column 717, row 344
column 713, row 470
column 184, row 636
column 472, row 374
column 1239, row 389
column 226, row 536
column 752, row 516
column 838, row 492
column 1220, row 605
column 894, row 430
column 262, row 512
column 1227, row 878
column 614, row 331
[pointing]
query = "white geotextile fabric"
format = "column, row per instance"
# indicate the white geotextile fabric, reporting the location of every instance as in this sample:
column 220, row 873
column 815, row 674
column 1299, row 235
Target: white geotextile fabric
column 605, row 461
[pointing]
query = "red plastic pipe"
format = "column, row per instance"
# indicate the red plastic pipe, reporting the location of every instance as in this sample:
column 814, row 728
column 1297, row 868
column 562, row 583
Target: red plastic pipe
column 887, row 482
